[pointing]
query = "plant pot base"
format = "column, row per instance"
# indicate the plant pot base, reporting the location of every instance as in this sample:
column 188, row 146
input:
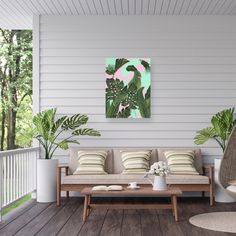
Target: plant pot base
column 46, row 180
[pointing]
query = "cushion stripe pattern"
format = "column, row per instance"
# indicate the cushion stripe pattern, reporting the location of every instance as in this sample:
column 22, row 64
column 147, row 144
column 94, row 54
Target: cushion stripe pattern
column 181, row 162
column 91, row 163
column 136, row 162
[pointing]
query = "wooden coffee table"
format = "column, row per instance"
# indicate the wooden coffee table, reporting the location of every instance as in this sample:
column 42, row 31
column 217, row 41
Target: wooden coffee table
column 171, row 192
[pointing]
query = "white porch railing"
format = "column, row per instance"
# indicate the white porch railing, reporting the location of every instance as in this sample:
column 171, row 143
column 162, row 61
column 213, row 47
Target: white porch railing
column 17, row 174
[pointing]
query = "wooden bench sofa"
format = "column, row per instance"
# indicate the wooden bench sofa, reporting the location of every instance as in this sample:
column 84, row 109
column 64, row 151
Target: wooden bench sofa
column 66, row 181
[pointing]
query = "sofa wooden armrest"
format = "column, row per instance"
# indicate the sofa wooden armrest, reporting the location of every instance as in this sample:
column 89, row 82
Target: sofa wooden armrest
column 59, row 171
column 209, row 171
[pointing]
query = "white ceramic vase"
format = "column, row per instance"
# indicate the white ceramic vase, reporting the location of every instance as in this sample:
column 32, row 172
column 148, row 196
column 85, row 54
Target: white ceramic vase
column 159, row 183
column 220, row 193
column 46, row 180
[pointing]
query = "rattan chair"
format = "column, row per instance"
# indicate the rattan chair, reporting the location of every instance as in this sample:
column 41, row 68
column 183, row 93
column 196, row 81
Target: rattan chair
column 227, row 172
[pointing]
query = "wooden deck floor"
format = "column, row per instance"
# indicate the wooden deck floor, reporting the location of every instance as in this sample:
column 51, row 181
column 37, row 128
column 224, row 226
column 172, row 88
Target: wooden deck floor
column 48, row 219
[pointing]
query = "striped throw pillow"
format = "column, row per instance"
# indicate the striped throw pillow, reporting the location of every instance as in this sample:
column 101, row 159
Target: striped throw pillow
column 181, row 162
column 91, row 163
column 135, row 162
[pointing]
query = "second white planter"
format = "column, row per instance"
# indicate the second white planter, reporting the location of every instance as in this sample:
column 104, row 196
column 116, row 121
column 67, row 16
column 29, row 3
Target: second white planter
column 46, row 180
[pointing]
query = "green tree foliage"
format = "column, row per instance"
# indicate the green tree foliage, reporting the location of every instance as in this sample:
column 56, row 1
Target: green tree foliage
column 15, row 88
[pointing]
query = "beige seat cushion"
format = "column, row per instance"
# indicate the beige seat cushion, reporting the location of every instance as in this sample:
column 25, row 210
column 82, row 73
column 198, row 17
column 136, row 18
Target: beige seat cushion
column 187, row 179
column 197, row 156
column 125, row 179
column 73, row 159
column 117, row 161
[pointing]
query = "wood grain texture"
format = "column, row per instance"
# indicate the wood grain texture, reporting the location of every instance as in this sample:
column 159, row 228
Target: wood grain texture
column 11, row 216
column 23, row 219
column 56, row 223
column 93, row 224
column 149, row 222
column 36, row 224
column 117, row 222
column 112, row 223
column 131, row 223
column 74, row 224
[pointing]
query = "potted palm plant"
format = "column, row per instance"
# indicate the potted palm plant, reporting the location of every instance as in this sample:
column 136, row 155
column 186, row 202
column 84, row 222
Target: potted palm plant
column 48, row 130
column 222, row 126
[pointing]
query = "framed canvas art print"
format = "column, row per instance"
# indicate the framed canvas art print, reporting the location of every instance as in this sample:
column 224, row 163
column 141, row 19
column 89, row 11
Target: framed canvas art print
column 128, row 88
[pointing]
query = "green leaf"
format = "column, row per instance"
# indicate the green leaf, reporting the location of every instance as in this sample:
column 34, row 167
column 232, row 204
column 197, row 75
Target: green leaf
column 47, row 130
column 146, row 65
column 124, row 113
column 111, row 110
column 73, row 141
column 204, row 135
column 148, row 93
column 86, row 131
column 144, row 107
column 63, row 145
column 120, row 62
column 74, row 121
column 58, row 123
column 110, row 69
column 136, row 80
column 222, row 126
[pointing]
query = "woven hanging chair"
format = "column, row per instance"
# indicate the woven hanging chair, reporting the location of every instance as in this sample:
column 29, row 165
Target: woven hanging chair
column 227, row 172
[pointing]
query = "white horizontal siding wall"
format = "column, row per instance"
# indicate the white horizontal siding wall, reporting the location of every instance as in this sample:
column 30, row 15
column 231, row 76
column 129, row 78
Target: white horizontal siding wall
column 193, row 74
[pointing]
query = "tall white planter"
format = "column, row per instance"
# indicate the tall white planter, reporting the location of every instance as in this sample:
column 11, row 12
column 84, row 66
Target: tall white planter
column 159, row 183
column 46, row 180
column 220, row 194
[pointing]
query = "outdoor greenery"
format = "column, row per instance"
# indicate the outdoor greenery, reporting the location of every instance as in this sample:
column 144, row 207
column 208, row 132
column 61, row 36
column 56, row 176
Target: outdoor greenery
column 16, row 204
column 222, row 126
column 15, row 88
column 49, row 129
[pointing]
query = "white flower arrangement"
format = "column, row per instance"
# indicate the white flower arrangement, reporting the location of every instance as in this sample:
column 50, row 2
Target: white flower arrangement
column 159, row 168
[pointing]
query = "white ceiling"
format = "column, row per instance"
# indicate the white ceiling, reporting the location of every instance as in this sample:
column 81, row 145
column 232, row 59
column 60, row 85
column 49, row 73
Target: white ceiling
column 17, row 14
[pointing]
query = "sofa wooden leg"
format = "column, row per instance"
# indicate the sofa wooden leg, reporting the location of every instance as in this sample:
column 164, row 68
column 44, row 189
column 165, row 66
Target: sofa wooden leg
column 211, row 195
column 203, row 193
column 58, row 187
column 58, row 199
column 67, row 194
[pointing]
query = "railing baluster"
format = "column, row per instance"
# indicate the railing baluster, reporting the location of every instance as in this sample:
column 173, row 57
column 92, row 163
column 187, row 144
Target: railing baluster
column 4, row 181
column 8, row 177
column 18, row 174
column 11, row 178
column 28, row 176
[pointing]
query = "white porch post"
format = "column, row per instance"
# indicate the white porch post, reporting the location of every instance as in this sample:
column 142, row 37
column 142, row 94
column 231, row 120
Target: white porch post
column 36, row 84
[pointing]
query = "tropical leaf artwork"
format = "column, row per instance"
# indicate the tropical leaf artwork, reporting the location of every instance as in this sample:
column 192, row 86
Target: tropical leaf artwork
column 128, row 88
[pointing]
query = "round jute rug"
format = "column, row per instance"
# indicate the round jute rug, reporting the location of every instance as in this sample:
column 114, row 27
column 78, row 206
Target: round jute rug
column 218, row 221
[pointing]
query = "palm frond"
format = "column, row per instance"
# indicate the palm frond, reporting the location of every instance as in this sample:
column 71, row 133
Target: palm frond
column 86, row 131
column 74, row 121
column 204, row 135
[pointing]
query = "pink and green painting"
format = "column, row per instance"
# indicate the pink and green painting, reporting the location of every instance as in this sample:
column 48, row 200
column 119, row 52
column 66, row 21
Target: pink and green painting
column 128, row 88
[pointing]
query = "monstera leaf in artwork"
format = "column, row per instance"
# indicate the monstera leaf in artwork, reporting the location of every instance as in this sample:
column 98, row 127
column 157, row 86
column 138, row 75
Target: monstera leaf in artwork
column 111, row 69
